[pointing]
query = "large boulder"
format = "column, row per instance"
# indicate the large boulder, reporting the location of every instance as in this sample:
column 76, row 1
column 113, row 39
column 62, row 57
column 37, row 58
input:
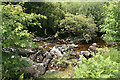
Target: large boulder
column 64, row 50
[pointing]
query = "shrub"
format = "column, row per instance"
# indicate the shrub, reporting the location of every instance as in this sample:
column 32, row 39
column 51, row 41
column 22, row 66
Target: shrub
column 114, row 55
column 14, row 26
column 111, row 23
column 12, row 65
column 78, row 25
column 96, row 67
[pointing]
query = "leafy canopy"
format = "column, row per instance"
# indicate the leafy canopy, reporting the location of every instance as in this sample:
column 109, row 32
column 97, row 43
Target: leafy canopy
column 15, row 34
column 111, row 25
column 79, row 24
column 14, row 26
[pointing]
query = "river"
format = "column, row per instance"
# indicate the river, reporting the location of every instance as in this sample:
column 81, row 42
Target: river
column 81, row 47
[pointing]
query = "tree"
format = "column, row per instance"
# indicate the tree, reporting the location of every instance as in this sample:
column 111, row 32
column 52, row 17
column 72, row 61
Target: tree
column 53, row 13
column 78, row 24
column 14, row 25
column 111, row 26
column 90, row 9
column 16, row 35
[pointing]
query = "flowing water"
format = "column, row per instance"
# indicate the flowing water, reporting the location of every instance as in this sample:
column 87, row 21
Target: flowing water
column 81, row 47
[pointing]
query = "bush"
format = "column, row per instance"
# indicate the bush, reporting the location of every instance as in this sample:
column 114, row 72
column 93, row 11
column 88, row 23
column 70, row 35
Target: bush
column 89, row 9
column 78, row 25
column 114, row 55
column 111, row 23
column 96, row 67
column 110, row 52
column 14, row 26
column 12, row 65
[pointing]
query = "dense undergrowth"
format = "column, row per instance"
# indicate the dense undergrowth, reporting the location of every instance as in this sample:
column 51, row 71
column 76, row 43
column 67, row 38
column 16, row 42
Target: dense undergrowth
column 106, row 67
column 98, row 66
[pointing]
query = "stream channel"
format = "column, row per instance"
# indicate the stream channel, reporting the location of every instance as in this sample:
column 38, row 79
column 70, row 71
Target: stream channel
column 81, row 47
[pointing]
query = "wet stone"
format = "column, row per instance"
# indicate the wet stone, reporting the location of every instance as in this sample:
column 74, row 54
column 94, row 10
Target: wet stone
column 39, row 58
column 86, row 54
column 41, row 69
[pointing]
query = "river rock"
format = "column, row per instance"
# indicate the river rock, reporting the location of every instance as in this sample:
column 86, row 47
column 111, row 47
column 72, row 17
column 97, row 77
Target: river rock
column 95, row 44
column 39, row 58
column 77, row 55
column 36, row 39
column 29, row 51
column 47, row 59
column 75, row 46
column 73, row 53
column 21, row 52
column 86, row 54
column 49, row 56
column 93, row 47
column 72, row 46
column 35, row 70
column 41, row 69
column 46, row 62
column 28, row 60
column 29, row 71
column 56, row 51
